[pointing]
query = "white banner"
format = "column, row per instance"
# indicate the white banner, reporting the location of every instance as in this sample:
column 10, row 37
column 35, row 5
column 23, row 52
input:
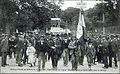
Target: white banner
column 83, row 21
column 81, row 24
column 79, row 32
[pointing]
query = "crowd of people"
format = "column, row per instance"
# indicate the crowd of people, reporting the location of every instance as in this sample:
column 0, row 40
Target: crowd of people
column 29, row 47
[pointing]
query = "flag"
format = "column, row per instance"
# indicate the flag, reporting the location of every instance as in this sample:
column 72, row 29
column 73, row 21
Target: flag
column 83, row 21
column 81, row 26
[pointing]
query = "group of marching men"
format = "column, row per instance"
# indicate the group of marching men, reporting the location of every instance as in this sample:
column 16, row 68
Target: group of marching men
column 29, row 47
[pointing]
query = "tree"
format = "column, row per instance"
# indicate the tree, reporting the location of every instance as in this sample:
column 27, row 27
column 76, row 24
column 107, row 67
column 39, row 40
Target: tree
column 110, row 9
column 8, row 14
column 93, row 17
column 27, row 15
column 32, row 14
column 70, row 17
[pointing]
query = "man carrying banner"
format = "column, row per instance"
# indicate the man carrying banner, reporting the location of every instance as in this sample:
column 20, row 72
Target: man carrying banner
column 80, row 34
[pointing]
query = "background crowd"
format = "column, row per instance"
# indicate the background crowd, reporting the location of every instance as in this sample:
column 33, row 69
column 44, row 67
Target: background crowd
column 29, row 47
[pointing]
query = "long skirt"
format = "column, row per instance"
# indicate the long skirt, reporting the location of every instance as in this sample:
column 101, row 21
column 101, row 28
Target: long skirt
column 31, row 58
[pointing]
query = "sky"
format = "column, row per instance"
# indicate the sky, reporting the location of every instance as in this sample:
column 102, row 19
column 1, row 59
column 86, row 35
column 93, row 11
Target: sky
column 72, row 3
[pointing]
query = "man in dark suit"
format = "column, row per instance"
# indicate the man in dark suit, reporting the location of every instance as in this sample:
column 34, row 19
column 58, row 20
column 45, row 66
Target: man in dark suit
column 105, row 53
column 82, row 44
column 97, row 55
column 20, row 49
column 4, row 49
column 42, row 52
column 65, row 51
column 11, row 46
column 57, row 51
column 114, row 50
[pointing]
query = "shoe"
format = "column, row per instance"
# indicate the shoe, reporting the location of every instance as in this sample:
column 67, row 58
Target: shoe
column 43, row 69
column 6, row 64
column 39, row 69
column 55, row 68
column 116, row 67
column 110, row 66
column 31, row 65
column 20, row 65
column 82, row 64
column 3, row 65
column 24, row 63
column 105, row 67
column 73, row 69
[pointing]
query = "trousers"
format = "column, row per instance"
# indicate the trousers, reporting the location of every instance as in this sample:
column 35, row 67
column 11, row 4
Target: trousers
column 19, row 58
column 4, row 57
column 105, row 60
column 41, row 60
column 65, row 57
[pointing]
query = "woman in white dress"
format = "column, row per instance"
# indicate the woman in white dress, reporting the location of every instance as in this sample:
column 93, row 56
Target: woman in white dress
column 31, row 54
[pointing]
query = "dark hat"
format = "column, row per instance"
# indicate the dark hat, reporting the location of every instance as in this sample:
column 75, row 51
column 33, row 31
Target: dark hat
column 69, row 34
column 52, row 35
column 90, row 41
column 65, row 34
column 51, row 39
column 57, row 35
column 47, row 34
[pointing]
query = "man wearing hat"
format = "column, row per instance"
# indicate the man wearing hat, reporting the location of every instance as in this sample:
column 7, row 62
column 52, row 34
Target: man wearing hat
column 90, row 52
column 82, row 44
column 65, row 51
column 20, row 49
column 114, row 51
column 95, row 43
column 59, row 44
column 73, row 57
column 105, row 53
column 4, row 49
column 42, row 48
column 57, row 51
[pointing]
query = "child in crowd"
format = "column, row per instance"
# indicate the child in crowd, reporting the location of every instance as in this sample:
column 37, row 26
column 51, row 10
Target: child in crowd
column 31, row 54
